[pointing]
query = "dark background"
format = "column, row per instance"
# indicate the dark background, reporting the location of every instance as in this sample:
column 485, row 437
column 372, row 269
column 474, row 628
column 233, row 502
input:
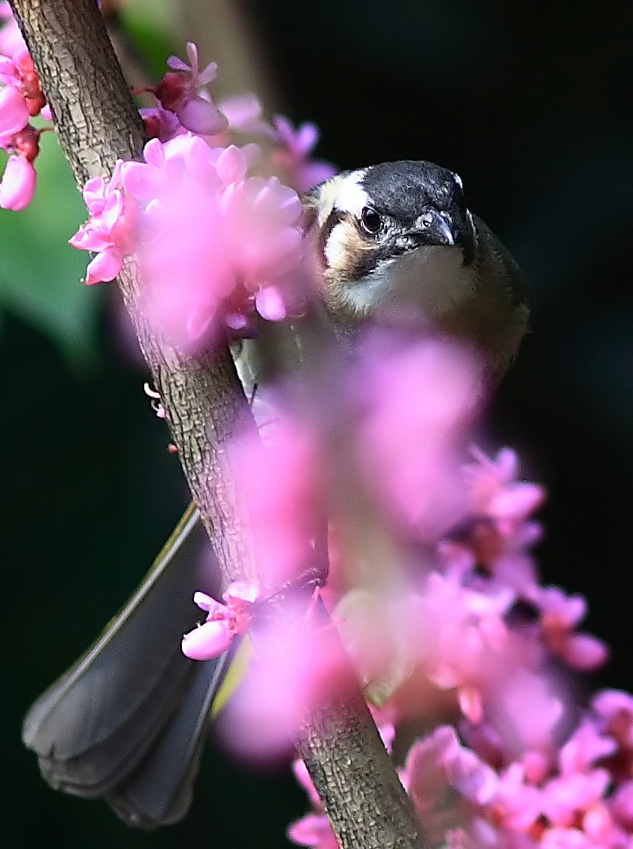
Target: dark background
column 531, row 104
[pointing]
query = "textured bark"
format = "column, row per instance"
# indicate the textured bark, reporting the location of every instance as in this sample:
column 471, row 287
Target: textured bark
column 354, row 777
column 98, row 124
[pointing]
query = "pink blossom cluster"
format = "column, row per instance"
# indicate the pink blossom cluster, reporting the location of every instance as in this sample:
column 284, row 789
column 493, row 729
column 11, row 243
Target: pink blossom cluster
column 509, row 763
column 470, row 652
column 576, row 794
column 185, row 103
column 217, row 245
column 438, row 599
column 21, row 98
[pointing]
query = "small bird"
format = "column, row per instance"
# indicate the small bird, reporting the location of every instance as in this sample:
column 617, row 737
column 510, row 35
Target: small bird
column 127, row 721
column 397, row 240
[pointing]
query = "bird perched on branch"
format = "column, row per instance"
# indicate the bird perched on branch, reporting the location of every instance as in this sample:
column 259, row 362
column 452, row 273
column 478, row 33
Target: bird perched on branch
column 127, row 722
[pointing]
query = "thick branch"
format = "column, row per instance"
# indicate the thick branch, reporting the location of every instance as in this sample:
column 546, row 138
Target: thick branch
column 355, row 779
column 98, row 124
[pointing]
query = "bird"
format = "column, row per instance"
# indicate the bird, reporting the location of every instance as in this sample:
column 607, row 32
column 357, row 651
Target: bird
column 397, row 241
column 391, row 242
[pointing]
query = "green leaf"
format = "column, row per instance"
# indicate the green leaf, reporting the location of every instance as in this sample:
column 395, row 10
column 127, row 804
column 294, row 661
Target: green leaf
column 40, row 274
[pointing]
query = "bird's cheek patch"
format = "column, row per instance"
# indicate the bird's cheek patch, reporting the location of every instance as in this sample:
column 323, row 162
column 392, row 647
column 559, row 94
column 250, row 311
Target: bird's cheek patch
column 347, row 252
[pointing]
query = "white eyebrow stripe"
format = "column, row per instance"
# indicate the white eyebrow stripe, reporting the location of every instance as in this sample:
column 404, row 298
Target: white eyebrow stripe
column 351, row 197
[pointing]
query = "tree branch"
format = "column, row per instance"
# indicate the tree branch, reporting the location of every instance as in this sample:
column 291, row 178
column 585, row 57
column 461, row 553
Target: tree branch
column 205, row 405
column 97, row 124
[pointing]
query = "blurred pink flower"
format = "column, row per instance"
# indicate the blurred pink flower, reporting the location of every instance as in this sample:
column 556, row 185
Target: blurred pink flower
column 602, row 829
column 622, row 805
column 516, row 804
column 293, row 159
column 500, row 507
column 463, row 638
column 303, row 779
column 585, row 748
column 313, row 830
column 9, row 73
column 18, row 184
column 160, row 123
column 244, row 114
column 11, row 40
column 414, row 398
column 560, row 613
column 495, row 492
column 281, row 487
column 295, row 665
column 613, row 711
column 217, row 244
column 447, row 783
column 565, row 796
column 525, row 705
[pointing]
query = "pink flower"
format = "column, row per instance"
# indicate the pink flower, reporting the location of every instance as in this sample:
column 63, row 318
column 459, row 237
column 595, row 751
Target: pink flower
column 447, row 783
column 560, row 613
column 565, row 838
column 414, row 399
column 566, row 796
column 160, row 123
column 9, row 73
column 303, row 779
column 294, row 160
column 281, row 486
column 614, row 712
column 602, row 829
column 525, row 705
column 295, row 664
column 500, row 542
column 183, row 92
column 313, row 830
column 217, row 244
column 14, row 115
column 29, row 82
column 223, row 623
column 244, row 114
column 622, row 806
column 515, row 802
column 463, row 638
column 199, row 78
column 18, row 184
column 471, row 777
column 11, row 40
column 585, row 748
column 111, row 230
column 496, row 493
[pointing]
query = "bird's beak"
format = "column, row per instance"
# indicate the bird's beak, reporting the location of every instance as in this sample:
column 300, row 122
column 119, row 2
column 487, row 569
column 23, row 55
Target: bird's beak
column 433, row 228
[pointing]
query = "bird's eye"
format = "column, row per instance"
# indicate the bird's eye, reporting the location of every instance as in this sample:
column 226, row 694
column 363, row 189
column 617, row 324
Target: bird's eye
column 370, row 220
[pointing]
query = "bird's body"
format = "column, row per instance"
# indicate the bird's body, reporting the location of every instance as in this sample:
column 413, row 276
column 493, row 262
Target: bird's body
column 392, row 242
